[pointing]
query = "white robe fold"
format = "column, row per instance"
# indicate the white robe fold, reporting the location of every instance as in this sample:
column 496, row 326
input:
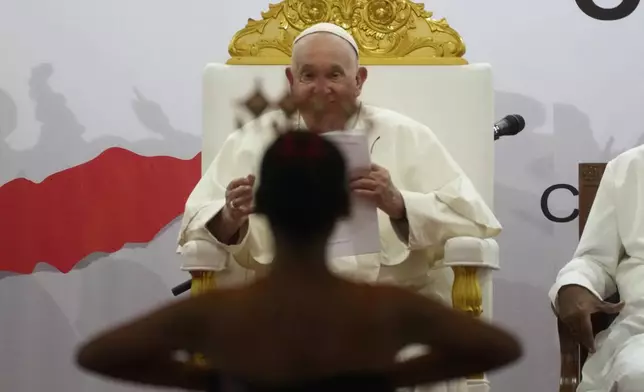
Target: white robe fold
column 440, row 201
column 610, row 258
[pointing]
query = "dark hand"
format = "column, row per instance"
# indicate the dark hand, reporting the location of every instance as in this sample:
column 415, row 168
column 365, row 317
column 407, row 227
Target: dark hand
column 239, row 200
column 576, row 305
column 376, row 185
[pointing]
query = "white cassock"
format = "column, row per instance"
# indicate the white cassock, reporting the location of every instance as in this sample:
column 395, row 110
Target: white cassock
column 610, row 258
column 440, row 200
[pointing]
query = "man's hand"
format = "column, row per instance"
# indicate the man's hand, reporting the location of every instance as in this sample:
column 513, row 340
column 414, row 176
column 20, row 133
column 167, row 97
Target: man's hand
column 576, row 304
column 239, row 200
column 239, row 204
column 376, row 185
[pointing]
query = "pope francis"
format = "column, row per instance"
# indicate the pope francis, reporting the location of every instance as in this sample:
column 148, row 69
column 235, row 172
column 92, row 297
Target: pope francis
column 423, row 197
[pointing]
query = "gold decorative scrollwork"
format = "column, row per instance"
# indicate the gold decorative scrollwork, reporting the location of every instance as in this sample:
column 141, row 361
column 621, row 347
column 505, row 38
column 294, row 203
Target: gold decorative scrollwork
column 386, row 31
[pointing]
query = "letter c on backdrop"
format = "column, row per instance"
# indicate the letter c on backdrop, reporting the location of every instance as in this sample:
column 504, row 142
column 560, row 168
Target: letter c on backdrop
column 546, row 209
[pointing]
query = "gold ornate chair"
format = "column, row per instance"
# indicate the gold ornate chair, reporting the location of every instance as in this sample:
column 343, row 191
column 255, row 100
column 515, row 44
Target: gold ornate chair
column 438, row 88
column 573, row 355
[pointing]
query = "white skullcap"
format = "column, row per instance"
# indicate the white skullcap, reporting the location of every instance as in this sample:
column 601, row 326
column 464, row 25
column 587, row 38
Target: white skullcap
column 331, row 29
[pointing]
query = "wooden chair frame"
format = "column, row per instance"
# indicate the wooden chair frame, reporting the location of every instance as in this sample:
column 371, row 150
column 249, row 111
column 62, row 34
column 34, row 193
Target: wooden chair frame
column 573, row 355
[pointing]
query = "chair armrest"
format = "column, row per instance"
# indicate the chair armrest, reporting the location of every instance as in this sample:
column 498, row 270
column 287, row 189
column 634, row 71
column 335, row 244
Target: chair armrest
column 467, row 256
column 573, row 355
column 201, row 255
column 212, row 267
column 203, row 260
column 472, row 252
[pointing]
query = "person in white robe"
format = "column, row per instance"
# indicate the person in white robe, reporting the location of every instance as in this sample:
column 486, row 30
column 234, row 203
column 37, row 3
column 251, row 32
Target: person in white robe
column 423, row 196
column 609, row 259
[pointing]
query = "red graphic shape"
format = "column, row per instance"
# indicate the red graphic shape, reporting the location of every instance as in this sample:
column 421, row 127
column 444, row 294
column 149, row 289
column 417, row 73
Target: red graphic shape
column 116, row 198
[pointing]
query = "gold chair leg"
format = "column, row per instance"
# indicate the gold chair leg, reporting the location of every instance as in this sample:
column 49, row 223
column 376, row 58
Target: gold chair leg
column 202, row 282
column 467, row 297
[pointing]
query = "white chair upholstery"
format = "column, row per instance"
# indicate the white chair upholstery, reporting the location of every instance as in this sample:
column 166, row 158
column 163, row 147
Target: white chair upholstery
column 456, row 102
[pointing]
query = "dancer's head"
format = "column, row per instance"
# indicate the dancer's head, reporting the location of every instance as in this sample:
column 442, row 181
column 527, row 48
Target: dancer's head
column 303, row 188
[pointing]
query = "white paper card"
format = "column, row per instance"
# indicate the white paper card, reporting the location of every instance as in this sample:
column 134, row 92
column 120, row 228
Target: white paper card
column 358, row 234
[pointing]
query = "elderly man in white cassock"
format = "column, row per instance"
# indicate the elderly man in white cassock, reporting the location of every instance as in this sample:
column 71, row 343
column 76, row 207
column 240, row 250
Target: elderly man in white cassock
column 422, row 195
column 609, row 259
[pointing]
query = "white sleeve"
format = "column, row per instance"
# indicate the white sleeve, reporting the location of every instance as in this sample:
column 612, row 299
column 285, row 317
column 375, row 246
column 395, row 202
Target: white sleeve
column 440, row 200
column 208, row 197
column 600, row 248
column 234, row 160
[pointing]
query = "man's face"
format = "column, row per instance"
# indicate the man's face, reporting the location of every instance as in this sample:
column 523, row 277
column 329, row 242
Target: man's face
column 325, row 71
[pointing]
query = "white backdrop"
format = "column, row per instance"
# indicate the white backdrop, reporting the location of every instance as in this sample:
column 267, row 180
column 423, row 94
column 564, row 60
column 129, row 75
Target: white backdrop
column 68, row 76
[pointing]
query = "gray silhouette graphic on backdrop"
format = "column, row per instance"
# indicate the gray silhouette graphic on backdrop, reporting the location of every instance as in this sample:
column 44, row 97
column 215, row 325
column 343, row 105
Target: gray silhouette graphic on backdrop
column 120, row 286
column 139, row 269
column 31, row 319
column 576, row 138
column 108, row 291
column 61, row 144
column 8, row 124
column 8, row 114
column 170, row 229
column 112, row 286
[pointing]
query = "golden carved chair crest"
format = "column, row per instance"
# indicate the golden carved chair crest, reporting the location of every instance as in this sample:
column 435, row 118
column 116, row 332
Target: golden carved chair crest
column 391, row 32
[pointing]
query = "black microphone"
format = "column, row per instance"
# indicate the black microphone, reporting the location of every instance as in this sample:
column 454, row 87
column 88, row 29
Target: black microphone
column 509, row 126
column 182, row 288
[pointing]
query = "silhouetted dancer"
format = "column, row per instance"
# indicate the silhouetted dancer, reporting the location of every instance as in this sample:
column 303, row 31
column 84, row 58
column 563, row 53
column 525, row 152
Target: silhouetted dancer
column 300, row 327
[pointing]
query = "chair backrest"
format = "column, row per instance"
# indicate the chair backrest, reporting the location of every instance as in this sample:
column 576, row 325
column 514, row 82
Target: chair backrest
column 590, row 175
column 456, row 102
